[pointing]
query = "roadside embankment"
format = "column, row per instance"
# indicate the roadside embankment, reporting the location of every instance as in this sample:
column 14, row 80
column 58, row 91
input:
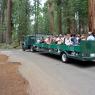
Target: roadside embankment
column 11, row 82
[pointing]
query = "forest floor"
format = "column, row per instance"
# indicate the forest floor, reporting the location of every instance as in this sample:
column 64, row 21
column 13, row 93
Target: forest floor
column 11, row 82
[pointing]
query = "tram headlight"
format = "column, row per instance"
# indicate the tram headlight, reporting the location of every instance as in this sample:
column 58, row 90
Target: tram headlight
column 92, row 55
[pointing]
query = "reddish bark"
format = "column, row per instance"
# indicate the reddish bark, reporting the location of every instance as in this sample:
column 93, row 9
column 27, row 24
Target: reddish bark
column 91, row 15
column 60, row 21
column 51, row 16
column 9, row 22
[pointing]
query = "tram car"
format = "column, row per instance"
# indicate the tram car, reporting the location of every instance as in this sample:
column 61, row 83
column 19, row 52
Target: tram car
column 85, row 51
column 28, row 42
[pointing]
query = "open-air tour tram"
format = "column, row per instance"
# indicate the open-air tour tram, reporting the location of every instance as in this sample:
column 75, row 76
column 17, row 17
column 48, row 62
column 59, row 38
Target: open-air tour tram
column 85, row 51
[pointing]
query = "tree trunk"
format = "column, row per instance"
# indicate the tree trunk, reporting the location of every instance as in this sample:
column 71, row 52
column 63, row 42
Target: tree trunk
column 9, row 22
column 36, row 26
column 72, row 27
column 59, row 21
column 51, row 16
column 68, row 25
column 92, row 15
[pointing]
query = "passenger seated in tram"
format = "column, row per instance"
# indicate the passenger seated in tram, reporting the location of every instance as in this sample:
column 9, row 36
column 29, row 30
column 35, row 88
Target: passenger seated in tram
column 38, row 40
column 75, row 39
column 83, row 37
column 67, row 40
column 54, row 39
column 78, row 37
column 42, row 40
column 58, row 39
column 48, row 40
column 91, row 36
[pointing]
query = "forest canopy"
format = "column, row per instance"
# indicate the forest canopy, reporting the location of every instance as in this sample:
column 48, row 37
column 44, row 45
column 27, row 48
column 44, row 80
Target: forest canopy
column 21, row 17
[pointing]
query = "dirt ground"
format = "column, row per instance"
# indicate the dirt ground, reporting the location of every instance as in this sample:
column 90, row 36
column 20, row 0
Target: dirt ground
column 11, row 82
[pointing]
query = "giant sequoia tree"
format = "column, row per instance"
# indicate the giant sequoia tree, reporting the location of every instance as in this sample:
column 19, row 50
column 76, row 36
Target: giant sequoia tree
column 9, row 22
column 68, row 16
column 15, row 18
column 58, row 15
column 51, row 15
column 91, row 4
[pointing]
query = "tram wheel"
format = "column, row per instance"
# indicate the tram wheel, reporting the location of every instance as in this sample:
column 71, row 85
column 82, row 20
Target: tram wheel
column 32, row 49
column 23, row 47
column 64, row 58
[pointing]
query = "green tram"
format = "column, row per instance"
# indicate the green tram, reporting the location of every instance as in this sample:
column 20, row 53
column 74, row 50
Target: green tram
column 28, row 42
column 85, row 51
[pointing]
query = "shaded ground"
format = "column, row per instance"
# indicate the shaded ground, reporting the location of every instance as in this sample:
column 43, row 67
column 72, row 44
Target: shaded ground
column 11, row 82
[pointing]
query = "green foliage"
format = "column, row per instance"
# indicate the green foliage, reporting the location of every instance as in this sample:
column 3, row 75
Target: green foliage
column 34, row 18
column 40, row 20
column 11, row 46
column 21, row 18
column 3, row 6
column 72, row 7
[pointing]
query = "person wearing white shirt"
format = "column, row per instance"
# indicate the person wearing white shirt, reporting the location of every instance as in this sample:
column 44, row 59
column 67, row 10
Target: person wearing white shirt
column 91, row 37
column 68, row 40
